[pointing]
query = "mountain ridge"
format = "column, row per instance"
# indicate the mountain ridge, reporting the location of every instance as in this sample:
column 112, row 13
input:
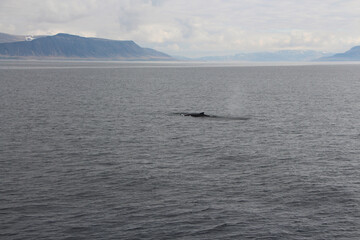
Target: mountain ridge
column 277, row 56
column 67, row 46
column 352, row 54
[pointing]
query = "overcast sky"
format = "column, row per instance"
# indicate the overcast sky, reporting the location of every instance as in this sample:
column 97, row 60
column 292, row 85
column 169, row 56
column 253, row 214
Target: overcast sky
column 194, row 27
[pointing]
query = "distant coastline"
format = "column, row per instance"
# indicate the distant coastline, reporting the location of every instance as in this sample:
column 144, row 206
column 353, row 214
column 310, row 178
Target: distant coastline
column 64, row 46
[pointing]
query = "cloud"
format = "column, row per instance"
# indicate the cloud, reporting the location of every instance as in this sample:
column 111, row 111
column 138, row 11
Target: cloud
column 194, row 27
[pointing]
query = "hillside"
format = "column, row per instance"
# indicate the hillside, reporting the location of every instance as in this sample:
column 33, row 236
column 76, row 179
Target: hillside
column 65, row 46
column 7, row 38
column 4, row 38
column 351, row 55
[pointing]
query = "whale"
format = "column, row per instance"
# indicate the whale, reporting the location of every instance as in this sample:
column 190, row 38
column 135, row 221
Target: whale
column 201, row 114
column 213, row 117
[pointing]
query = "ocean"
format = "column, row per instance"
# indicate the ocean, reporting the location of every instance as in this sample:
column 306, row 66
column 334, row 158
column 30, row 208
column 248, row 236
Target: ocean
column 102, row 150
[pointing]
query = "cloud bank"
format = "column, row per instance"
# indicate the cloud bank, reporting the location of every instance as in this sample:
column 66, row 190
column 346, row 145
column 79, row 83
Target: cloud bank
column 197, row 27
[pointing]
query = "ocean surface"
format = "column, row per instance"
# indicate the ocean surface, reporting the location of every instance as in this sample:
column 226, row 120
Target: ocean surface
column 101, row 150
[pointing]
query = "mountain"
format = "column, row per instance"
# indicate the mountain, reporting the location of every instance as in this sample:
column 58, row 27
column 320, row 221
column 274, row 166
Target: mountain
column 279, row 56
column 66, row 46
column 6, row 38
column 351, row 55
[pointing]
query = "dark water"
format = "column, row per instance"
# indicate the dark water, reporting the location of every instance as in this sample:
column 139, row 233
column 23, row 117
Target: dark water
column 98, row 151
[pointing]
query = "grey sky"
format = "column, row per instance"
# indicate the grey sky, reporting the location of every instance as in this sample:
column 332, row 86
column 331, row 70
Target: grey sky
column 196, row 27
